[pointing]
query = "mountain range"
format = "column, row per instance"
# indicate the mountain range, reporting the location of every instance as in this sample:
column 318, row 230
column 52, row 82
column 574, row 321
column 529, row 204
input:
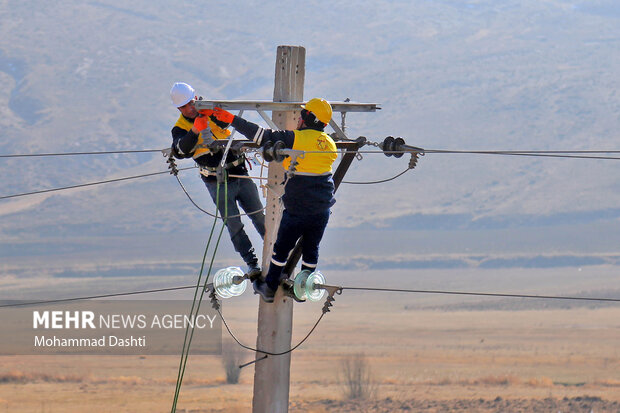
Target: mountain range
column 448, row 75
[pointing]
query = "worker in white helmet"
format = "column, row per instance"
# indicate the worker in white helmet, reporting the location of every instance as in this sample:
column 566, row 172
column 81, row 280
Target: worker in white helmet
column 191, row 136
column 308, row 194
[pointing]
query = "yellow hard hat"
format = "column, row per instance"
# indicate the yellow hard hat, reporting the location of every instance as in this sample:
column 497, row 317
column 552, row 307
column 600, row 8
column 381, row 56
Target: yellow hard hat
column 320, row 108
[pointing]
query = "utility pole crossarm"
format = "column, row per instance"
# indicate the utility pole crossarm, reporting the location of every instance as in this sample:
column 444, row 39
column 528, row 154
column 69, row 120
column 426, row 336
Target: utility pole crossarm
column 263, row 105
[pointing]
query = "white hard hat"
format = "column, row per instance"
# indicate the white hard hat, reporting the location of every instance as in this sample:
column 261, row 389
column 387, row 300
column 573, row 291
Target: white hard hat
column 181, row 93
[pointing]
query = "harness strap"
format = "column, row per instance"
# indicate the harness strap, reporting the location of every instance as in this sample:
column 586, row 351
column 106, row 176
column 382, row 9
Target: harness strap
column 236, row 162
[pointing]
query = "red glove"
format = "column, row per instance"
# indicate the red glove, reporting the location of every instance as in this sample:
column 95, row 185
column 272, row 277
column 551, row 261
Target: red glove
column 201, row 123
column 206, row 112
column 222, row 115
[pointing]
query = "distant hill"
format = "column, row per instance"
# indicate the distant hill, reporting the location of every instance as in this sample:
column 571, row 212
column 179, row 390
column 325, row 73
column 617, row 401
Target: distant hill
column 460, row 75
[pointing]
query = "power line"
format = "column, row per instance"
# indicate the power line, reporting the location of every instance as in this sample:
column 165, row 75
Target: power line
column 545, row 154
column 436, row 151
column 92, row 297
column 550, row 153
column 376, row 182
column 375, row 289
column 281, row 353
column 214, row 215
column 547, row 297
column 29, row 155
column 90, row 184
column 398, row 290
column 501, row 152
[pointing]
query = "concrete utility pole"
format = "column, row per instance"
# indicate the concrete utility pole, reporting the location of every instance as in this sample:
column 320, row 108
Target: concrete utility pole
column 275, row 321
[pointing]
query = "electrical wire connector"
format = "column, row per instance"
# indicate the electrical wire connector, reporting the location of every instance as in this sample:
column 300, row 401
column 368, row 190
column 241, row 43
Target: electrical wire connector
column 292, row 168
column 331, row 291
column 215, row 303
column 414, row 160
column 294, row 155
column 172, row 165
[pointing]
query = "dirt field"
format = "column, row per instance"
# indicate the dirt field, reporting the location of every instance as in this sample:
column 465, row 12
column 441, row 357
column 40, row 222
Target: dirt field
column 421, row 360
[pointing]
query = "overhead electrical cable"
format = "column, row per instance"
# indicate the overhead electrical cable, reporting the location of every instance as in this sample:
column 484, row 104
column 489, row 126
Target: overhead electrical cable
column 281, row 353
column 376, row 182
column 209, row 213
column 92, row 297
column 549, row 154
column 377, row 289
column 29, row 155
column 189, row 332
column 91, row 183
column 553, row 153
column 482, row 294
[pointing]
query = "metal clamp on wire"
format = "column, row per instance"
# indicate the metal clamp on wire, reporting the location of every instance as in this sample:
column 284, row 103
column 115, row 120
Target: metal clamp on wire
column 215, row 303
column 172, row 165
column 166, row 152
column 294, row 155
column 331, row 291
column 276, row 152
column 361, row 141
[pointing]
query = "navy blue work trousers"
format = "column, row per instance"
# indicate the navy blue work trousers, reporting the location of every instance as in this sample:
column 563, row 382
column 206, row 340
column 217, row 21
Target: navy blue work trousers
column 292, row 227
column 244, row 192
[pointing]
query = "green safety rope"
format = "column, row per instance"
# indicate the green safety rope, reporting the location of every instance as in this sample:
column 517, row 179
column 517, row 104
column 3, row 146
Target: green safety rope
column 187, row 341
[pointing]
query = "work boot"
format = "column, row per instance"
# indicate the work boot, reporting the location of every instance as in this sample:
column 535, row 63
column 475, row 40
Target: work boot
column 261, row 288
column 253, row 271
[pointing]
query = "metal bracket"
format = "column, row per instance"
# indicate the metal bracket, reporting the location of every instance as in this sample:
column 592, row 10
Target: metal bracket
column 339, row 132
column 230, row 141
column 267, row 119
column 287, row 288
column 253, row 361
column 282, row 106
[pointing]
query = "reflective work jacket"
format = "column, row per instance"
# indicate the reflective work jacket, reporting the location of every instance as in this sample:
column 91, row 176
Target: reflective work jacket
column 311, row 189
column 201, row 147
column 184, row 138
column 313, row 163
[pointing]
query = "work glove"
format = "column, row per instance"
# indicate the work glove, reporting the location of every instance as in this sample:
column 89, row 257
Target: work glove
column 222, row 115
column 206, row 112
column 201, row 123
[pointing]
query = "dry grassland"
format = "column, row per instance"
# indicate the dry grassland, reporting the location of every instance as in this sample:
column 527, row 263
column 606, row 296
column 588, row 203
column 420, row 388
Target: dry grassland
column 421, row 360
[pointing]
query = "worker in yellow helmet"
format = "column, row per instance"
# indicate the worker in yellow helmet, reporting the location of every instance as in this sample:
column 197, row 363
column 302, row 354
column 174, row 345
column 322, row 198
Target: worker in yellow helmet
column 309, row 193
column 191, row 137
